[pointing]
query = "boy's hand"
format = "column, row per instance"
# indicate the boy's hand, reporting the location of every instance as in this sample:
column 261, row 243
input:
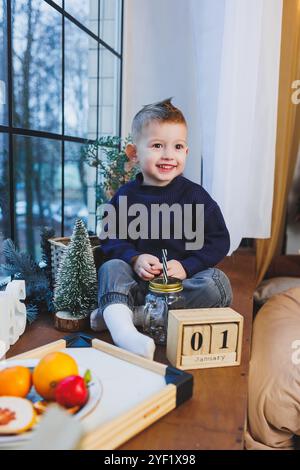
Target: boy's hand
column 147, row 266
column 175, row 269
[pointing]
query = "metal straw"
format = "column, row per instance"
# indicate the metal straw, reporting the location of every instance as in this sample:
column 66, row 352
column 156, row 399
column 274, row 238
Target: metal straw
column 164, row 263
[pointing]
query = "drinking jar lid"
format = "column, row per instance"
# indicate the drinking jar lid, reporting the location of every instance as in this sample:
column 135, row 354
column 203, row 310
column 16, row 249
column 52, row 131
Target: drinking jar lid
column 173, row 285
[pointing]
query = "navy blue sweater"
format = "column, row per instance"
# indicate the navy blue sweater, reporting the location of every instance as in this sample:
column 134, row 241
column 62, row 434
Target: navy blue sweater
column 181, row 191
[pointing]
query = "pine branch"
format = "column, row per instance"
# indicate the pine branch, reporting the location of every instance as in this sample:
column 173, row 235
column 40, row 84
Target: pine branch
column 20, row 261
column 20, row 265
column 31, row 313
column 9, row 269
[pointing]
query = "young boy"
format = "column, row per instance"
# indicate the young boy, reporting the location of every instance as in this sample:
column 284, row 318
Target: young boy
column 159, row 134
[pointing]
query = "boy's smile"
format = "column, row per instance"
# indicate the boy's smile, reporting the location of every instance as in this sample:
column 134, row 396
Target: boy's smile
column 161, row 151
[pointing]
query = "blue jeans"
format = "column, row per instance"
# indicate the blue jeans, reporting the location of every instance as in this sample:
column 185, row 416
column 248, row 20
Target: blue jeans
column 118, row 283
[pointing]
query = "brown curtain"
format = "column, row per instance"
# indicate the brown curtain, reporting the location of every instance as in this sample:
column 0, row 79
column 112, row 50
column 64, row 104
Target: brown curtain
column 288, row 135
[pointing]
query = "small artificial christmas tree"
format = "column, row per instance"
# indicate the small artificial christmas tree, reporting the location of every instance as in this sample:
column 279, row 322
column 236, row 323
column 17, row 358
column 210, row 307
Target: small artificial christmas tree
column 76, row 287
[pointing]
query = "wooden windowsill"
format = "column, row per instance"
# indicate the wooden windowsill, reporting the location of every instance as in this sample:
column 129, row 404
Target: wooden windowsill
column 214, row 417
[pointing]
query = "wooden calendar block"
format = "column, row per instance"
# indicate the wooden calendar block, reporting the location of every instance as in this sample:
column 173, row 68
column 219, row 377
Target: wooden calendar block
column 224, row 337
column 196, row 340
column 204, row 337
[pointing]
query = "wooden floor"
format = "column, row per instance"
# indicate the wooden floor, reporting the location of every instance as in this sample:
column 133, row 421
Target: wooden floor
column 214, row 418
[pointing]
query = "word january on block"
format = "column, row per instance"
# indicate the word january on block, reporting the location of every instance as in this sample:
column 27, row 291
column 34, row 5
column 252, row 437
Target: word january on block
column 204, row 337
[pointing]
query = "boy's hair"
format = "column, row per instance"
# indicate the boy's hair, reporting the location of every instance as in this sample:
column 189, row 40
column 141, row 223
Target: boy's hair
column 163, row 111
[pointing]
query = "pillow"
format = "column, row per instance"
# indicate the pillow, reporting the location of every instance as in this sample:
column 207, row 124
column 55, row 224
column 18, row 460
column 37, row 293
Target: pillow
column 272, row 286
column 274, row 374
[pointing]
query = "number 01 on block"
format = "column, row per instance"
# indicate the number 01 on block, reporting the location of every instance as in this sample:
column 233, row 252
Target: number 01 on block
column 204, row 337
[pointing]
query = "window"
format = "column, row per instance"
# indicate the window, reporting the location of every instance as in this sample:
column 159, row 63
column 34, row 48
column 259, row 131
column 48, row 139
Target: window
column 60, row 84
column 37, row 71
column 5, row 226
column 3, row 68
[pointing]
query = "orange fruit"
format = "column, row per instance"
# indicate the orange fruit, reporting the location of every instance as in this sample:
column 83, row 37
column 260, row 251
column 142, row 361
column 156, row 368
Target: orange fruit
column 50, row 370
column 15, row 381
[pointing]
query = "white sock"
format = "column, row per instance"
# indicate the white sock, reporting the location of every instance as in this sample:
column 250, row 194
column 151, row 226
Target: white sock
column 118, row 318
column 98, row 324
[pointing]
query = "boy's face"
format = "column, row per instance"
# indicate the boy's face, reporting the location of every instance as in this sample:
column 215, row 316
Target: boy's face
column 161, row 151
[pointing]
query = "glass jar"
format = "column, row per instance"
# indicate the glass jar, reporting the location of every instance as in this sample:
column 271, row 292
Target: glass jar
column 160, row 298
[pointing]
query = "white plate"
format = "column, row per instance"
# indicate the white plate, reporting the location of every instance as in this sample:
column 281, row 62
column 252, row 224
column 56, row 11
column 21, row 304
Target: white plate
column 95, row 394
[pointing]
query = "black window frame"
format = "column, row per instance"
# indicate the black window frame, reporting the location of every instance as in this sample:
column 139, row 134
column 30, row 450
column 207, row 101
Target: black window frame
column 12, row 131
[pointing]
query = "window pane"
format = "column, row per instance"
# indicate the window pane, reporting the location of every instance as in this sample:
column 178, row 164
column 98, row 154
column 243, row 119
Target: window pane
column 86, row 12
column 37, row 65
column 4, row 193
column 79, row 189
column 110, row 23
column 38, row 190
column 80, row 82
column 109, row 95
column 3, row 64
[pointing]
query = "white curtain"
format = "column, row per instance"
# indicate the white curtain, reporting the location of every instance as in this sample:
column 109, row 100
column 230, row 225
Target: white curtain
column 159, row 62
column 220, row 60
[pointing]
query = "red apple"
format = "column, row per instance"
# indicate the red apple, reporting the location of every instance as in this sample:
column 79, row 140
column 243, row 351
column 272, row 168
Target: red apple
column 72, row 391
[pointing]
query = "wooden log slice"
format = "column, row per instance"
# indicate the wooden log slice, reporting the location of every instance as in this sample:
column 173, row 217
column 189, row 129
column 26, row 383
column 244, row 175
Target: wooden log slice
column 64, row 321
